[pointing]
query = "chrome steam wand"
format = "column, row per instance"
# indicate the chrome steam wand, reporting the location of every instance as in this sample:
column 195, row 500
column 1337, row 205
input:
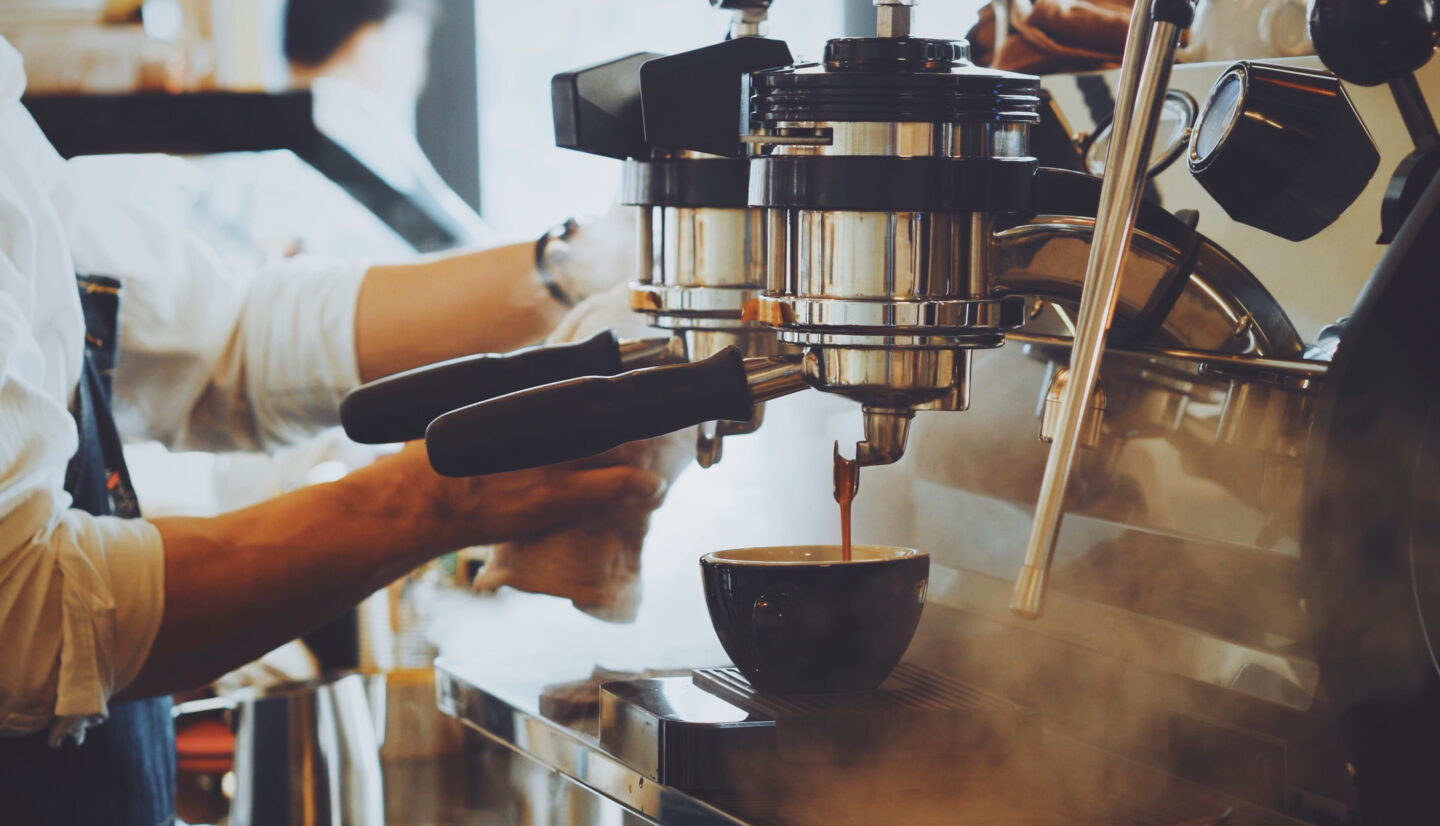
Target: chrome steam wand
column 1145, row 73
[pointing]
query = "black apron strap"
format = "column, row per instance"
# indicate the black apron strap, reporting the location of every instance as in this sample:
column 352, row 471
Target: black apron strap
column 124, row 772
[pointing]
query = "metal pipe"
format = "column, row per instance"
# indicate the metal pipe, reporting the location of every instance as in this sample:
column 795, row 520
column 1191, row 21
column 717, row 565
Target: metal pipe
column 650, row 352
column 893, row 18
column 1303, row 369
column 771, row 378
column 1143, row 80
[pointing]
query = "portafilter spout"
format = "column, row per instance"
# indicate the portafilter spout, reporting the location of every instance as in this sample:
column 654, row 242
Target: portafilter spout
column 886, row 429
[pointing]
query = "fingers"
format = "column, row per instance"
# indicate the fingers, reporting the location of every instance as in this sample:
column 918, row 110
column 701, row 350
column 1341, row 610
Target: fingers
column 631, row 454
column 602, row 484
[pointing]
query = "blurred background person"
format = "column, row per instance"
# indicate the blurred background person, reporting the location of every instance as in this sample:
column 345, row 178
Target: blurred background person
column 365, row 62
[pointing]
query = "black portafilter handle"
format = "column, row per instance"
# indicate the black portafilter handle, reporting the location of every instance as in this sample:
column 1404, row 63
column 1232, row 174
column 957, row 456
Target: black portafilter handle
column 398, row 408
column 582, row 417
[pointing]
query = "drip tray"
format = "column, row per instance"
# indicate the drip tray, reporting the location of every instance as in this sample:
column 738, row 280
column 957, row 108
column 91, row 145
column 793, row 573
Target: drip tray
column 714, row 730
column 915, row 713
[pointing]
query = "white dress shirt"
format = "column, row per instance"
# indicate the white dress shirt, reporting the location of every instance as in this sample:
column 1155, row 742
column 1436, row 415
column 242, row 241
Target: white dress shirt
column 211, row 357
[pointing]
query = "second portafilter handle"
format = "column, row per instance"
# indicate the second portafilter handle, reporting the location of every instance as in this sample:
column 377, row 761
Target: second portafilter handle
column 583, row 417
column 399, row 407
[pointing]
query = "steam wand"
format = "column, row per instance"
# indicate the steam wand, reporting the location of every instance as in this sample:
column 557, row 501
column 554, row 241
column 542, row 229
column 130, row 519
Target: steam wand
column 1145, row 72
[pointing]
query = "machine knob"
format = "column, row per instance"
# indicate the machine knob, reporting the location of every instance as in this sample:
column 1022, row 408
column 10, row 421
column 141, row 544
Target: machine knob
column 1370, row 42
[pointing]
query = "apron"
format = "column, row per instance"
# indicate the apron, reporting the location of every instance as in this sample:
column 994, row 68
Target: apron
column 124, row 772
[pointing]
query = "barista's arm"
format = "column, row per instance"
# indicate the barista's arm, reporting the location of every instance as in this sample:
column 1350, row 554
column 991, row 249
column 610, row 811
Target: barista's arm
column 439, row 308
column 242, row 583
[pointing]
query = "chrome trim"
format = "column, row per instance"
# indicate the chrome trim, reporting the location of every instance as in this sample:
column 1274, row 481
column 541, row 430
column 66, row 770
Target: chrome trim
column 960, row 315
column 664, row 299
column 703, row 247
column 887, row 377
column 878, row 256
column 894, row 340
column 573, row 753
column 908, row 139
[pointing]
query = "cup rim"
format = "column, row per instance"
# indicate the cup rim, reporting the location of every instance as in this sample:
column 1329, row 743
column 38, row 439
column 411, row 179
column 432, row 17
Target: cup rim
column 896, row 553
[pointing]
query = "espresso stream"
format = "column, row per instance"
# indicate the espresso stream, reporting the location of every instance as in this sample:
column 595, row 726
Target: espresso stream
column 847, row 484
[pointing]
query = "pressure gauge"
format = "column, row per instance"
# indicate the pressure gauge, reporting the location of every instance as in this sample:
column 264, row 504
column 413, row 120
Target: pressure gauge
column 1281, row 148
column 1177, row 116
column 1221, row 110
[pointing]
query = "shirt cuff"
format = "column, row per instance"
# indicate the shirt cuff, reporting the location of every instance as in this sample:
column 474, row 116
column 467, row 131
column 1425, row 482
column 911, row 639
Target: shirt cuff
column 112, row 598
column 299, row 334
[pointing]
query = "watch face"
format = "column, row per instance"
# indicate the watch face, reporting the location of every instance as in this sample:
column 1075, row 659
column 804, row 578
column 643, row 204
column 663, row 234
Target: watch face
column 1172, row 132
column 1217, row 119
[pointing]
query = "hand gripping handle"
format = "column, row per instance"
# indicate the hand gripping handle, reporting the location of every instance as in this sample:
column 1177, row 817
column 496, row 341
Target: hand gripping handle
column 583, row 417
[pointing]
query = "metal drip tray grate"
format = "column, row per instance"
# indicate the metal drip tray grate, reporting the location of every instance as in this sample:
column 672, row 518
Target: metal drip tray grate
column 909, row 688
column 915, row 713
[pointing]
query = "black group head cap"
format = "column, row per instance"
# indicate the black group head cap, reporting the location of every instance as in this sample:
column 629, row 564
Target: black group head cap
column 697, row 100
column 597, row 108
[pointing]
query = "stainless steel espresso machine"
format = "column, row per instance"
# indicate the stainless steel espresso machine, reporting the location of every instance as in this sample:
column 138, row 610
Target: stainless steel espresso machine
column 1232, row 622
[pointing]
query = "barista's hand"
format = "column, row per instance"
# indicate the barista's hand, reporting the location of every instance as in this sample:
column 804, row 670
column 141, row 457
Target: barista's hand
column 238, row 584
column 592, row 254
column 483, row 510
column 594, row 562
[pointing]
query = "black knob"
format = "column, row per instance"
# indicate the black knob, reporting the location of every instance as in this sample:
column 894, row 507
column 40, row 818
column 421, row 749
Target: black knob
column 1369, row 42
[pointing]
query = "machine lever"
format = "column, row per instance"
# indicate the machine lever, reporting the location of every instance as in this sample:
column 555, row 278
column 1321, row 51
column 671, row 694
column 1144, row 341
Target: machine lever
column 398, row 408
column 1149, row 55
column 582, row 417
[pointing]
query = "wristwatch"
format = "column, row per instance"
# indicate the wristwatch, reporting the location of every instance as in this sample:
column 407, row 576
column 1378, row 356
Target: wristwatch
column 551, row 252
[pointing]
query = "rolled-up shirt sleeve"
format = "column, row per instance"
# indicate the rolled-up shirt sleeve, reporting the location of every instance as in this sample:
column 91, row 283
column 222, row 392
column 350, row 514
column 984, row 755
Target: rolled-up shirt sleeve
column 210, row 357
column 80, row 596
column 214, row 356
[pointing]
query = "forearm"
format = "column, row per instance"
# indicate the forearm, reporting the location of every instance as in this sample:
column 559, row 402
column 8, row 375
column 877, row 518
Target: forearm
column 414, row 314
column 240, row 584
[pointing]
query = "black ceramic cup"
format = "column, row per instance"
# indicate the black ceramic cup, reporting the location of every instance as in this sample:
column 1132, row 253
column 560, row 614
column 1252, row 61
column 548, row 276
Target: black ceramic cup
column 800, row 620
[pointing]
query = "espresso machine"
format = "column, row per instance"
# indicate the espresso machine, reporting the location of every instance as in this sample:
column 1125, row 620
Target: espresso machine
column 700, row 246
column 1233, row 622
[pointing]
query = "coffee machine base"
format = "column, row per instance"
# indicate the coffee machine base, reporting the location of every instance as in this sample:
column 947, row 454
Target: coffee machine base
column 923, row 743
column 713, row 730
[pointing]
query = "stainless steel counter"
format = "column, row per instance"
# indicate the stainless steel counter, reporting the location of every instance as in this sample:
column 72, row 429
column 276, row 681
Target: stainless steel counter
column 505, row 656
column 573, row 750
